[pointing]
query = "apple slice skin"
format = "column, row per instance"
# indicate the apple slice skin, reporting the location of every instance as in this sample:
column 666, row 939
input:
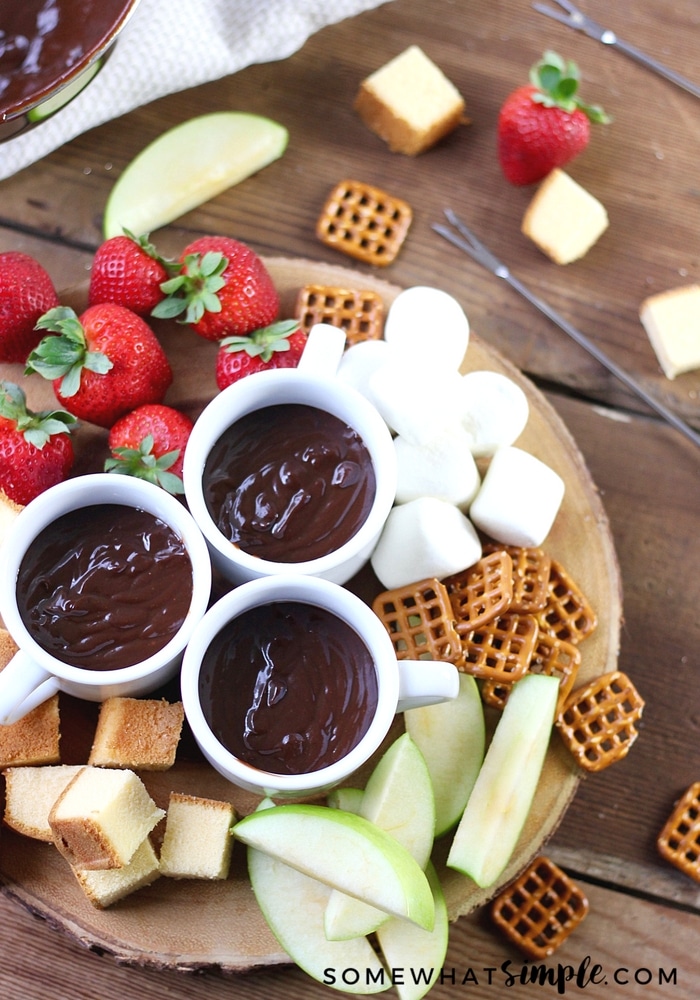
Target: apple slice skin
column 416, row 954
column 398, row 798
column 187, row 166
column 502, row 795
column 293, row 905
column 452, row 738
column 346, row 852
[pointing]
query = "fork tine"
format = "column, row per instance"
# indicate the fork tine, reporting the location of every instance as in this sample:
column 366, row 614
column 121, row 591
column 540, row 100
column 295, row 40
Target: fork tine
column 478, row 250
column 472, row 246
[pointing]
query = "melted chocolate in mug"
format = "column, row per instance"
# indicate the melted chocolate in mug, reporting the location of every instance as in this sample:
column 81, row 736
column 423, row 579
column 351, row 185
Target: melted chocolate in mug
column 105, row 586
column 288, row 687
column 289, row 482
column 42, row 41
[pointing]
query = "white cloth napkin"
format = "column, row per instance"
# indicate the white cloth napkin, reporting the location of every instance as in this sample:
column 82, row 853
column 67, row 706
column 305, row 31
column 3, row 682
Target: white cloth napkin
column 171, row 45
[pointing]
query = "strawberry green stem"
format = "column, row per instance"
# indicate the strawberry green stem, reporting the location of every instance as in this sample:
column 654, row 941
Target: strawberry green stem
column 36, row 427
column 143, row 464
column 64, row 355
column 557, row 81
column 263, row 343
column 193, row 292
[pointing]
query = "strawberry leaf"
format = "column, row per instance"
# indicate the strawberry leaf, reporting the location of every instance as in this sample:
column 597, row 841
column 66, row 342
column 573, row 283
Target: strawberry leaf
column 64, row 353
column 36, row 427
column 263, row 343
column 557, row 82
column 143, row 464
column 193, row 292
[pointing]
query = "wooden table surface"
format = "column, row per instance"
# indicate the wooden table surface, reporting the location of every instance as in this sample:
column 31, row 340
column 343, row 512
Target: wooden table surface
column 644, row 923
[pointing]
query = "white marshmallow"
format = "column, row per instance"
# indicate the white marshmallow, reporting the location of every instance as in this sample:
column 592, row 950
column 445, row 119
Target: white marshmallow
column 423, row 539
column 428, row 326
column 519, row 498
column 360, row 361
column 445, row 469
column 417, row 404
column 495, row 411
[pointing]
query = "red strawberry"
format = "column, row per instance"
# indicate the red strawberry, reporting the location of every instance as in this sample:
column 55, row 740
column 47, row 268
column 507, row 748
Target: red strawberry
column 544, row 125
column 26, row 292
column 149, row 443
column 128, row 271
column 277, row 346
column 102, row 364
column 36, row 450
column 223, row 289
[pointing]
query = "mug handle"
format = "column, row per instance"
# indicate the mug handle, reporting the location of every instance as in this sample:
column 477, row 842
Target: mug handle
column 426, row 682
column 23, row 686
column 323, row 350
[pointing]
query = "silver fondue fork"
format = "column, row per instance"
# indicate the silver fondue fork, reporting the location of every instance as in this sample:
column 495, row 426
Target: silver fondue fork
column 576, row 19
column 463, row 238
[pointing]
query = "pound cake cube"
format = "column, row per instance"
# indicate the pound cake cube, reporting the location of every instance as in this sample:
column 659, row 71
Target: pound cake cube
column 102, row 817
column 35, row 738
column 30, row 793
column 410, row 103
column 137, row 733
column 103, row 888
column 197, row 842
column 563, row 219
column 672, row 323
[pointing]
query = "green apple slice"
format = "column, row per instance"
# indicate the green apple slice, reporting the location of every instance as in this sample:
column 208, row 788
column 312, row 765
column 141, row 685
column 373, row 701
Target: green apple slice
column 415, row 956
column 345, row 797
column 505, row 787
column 293, row 905
column 452, row 738
column 346, row 852
column 398, row 798
column 189, row 164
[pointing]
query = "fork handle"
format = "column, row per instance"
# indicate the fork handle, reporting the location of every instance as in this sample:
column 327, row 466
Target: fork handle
column 610, row 38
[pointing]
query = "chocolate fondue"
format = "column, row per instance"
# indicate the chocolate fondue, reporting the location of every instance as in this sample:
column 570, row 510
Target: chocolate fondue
column 288, row 687
column 289, row 483
column 105, row 586
column 43, row 42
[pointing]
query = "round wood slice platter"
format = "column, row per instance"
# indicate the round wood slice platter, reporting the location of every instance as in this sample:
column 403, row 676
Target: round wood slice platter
column 189, row 924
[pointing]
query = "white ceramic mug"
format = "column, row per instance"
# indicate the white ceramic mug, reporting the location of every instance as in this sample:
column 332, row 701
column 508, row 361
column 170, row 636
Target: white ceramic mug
column 401, row 684
column 34, row 675
column 313, row 383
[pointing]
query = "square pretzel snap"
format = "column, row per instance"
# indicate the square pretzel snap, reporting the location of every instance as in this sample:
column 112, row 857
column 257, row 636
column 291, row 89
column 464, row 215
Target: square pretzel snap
column 679, row 840
column 359, row 312
column 598, row 721
column 418, row 619
column 364, row 222
column 540, row 909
